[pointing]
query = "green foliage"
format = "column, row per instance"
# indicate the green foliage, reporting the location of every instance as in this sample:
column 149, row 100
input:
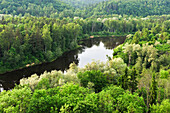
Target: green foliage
column 35, row 40
column 30, row 40
column 145, row 34
column 81, row 3
column 16, row 100
column 43, row 84
column 133, row 80
column 163, row 48
column 68, row 97
column 44, row 97
column 131, row 103
column 164, row 107
column 27, row 40
column 86, row 8
column 136, row 37
column 153, row 90
column 164, row 74
column 131, row 7
column 33, row 7
column 106, row 102
column 96, row 77
column 123, row 80
column 44, row 81
column 108, row 99
column 118, row 65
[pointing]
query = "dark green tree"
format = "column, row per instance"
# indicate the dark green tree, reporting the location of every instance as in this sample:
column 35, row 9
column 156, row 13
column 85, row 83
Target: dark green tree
column 145, row 34
column 96, row 77
column 153, row 90
column 136, row 37
column 133, row 82
column 123, row 80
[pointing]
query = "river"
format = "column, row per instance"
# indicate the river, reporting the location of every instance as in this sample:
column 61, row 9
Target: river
column 92, row 49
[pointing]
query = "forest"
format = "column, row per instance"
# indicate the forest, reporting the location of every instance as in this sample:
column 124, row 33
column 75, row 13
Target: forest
column 130, row 7
column 81, row 3
column 135, row 79
column 84, row 8
column 32, row 7
column 34, row 40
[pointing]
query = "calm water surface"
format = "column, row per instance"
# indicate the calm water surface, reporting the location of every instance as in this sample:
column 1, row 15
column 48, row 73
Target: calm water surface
column 96, row 52
column 92, row 49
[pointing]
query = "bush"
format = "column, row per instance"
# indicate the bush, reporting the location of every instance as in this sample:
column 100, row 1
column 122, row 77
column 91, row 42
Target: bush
column 107, row 99
column 16, row 100
column 96, row 77
column 164, row 107
column 131, row 103
column 44, row 100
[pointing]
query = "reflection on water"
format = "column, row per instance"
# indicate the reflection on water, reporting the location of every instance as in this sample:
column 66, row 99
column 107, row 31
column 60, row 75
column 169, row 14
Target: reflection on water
column 96, row 48
column 96, row 52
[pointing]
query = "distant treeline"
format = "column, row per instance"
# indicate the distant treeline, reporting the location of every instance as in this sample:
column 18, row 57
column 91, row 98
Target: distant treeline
column 33, row 7
column 130, row 7
column 84, row 8
column 81, row 3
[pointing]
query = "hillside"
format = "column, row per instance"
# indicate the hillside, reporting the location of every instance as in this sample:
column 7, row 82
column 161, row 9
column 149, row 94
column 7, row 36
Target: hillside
column 32, row 7
column 84, row 8
column 130, row 7
column 81, row 3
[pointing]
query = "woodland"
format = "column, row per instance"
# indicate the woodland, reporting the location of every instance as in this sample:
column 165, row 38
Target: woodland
column 136, row 79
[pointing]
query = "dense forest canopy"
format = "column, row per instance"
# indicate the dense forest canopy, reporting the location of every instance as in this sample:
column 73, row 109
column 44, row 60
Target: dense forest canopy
column 84, row 8
column 136, row 79
column 130, row 7
column 81, row 3
column 32, row 7
column 27, row 40
column 31, row 39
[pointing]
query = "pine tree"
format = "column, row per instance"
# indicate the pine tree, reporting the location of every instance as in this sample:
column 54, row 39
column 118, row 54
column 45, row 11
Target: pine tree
column 153, row 90
column 145, row 34
column 123, row 80
column 136, row 37
column 133, row 81
column 47, row 37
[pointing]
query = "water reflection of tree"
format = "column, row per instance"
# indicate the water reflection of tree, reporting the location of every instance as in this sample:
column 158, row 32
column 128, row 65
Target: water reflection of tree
column 90, row 42
column 109, row 43
column 9, row 79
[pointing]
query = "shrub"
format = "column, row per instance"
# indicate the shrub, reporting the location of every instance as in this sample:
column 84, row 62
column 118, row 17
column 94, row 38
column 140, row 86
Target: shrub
column 96, row 77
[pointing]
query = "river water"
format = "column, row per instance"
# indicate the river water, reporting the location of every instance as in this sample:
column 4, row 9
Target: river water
column 92, row 49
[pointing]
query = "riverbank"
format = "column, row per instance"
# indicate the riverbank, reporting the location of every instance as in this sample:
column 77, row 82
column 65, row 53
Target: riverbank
column 108, row 34
column 27, row 65
column 4, row 70
column 96, row 48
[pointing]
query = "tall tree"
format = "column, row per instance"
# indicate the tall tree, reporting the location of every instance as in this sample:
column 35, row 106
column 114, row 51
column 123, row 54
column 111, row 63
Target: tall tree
column 47, row 37
column 145, row 34
column 153, row 90
column 133, row 81
column 136, row 37
column 123, row 80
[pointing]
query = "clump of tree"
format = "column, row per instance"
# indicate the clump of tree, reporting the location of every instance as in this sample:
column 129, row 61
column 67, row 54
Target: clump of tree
column 130, row 7
column 81, row 3
column 39, row 8
column 79, row 90
column 35, row 40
